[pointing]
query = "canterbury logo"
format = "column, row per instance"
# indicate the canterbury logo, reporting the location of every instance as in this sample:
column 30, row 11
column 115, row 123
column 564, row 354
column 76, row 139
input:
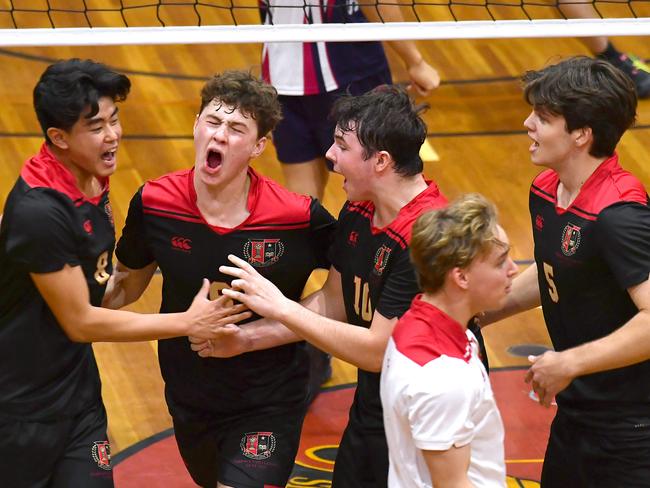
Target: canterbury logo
column 181, row 243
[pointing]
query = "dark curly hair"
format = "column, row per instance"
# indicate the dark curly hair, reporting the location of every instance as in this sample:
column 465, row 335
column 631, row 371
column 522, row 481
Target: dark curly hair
column 241, row 90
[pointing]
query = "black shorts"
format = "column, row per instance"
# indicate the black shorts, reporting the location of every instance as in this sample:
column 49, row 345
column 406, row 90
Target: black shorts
column 361, row 461
column 246, row 452
column 305, row 131
column 595, row 458
column 57, row 454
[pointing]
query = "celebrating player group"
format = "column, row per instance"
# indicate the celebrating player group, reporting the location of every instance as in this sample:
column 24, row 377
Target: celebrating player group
column 410, row 276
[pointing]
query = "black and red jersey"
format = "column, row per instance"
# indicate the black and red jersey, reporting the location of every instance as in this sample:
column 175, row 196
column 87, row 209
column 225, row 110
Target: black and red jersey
column 587, row 256
column 376, row 275
column 285, row 237
column 48, row 223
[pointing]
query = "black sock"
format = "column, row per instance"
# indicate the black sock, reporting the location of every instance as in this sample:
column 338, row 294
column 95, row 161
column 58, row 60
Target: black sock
column 610, row 52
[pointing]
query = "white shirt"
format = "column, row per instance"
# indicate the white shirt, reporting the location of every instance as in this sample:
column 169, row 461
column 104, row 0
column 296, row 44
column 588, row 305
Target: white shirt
column 436, row 394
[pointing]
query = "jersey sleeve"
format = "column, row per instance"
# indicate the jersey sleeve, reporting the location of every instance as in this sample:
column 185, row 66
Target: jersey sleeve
column 400, row 288
column 439, row 406
column 42, row 233
column 623, row 232
column 338, row 239
column 323, row 227
column 132, row 249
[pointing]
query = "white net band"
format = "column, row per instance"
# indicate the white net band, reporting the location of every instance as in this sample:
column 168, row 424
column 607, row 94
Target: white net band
column 498, row 29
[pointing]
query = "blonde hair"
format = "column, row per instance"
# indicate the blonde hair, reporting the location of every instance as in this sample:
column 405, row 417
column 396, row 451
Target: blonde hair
column 452, row 237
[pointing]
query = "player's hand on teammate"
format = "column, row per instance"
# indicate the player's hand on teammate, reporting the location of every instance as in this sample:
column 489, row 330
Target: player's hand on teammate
column 232, row 342
column 253, row 290
column 549, row 375
column 214, row 318
column 424, row 78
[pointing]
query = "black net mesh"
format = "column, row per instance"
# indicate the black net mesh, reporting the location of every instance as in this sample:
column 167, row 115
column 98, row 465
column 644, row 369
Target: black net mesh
column 24, row 14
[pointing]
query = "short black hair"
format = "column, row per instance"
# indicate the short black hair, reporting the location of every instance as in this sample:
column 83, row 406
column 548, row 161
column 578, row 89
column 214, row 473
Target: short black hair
column 385, row 119
column 587, row 92
column 67, row 88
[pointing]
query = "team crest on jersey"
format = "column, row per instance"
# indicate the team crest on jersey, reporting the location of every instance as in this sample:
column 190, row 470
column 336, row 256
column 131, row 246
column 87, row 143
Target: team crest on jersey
column 381, row 259
column 570, row 239
column 263, row 252
column 109, row 213
column 258, row 445
column 101, row 452
column 353, row 238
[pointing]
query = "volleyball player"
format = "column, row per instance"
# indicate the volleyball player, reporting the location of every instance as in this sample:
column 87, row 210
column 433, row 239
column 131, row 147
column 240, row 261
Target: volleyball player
column 591, row 228
column 442, row 423
column 56, row 247
column 371, row 282
column 237, row 421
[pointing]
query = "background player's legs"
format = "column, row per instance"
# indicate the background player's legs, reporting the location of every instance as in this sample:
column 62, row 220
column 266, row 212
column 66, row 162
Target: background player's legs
column 308, row 177
column 361, row 461
column 87, row 459
column 632, row 66
column 198, row 448
column 320, row 370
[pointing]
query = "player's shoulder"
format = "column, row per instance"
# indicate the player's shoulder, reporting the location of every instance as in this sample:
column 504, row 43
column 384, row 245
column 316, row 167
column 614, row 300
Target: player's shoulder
column 610, row 185
column 275, row 203
column 430, row 199
column 168, row 185
column 273, row 192
column 37, row 201
column 546, row 182
column 425, row 333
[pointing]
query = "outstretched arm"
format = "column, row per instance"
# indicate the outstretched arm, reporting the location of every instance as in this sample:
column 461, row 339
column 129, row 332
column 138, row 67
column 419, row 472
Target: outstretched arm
column 357, row 345
column 268, row 332
column 553, row 371
column 66, row 294
column 424, row 78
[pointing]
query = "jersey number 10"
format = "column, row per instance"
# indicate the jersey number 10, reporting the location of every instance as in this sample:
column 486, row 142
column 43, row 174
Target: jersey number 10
column 362, row 305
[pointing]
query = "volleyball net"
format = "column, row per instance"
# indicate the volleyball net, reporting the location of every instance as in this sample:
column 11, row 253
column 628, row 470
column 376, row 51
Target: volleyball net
column 122, row 22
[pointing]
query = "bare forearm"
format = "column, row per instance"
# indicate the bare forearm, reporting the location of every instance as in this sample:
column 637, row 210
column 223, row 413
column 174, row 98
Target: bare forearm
column 448, row 469
column 355, row 345
column 626, row 346
column 127, row 285
column 407, row 50
column 265, row 334
column 96, row 324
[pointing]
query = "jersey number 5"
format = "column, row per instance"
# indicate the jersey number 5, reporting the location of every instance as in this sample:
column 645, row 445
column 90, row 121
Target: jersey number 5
column 362, row 305
column 552, row 289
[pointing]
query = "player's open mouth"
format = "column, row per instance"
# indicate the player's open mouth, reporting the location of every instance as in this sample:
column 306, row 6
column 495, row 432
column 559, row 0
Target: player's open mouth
column 109, row 156
column 214, row 159
column 533, row 146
